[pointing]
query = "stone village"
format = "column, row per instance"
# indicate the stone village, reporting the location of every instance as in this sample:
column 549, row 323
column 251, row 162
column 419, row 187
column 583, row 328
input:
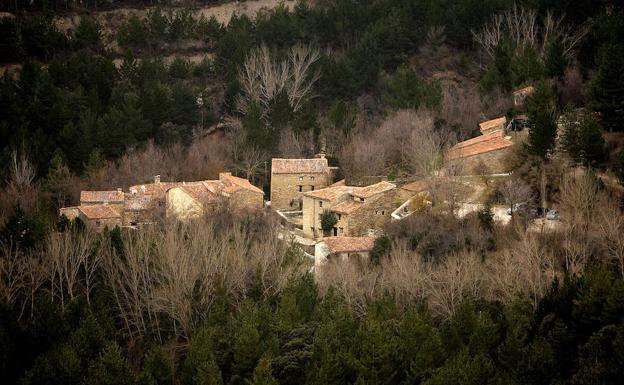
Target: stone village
column 303, row 191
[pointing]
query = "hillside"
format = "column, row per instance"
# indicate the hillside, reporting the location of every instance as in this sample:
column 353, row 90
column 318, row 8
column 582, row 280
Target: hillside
column 329, row 192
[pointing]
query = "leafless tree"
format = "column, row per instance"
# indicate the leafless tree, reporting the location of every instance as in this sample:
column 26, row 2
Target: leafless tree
column 22, row 170
column 458, row 277
column 72, row 263
column 515, row 191
column 262, row 78
column 522, row 27
column 12, row 274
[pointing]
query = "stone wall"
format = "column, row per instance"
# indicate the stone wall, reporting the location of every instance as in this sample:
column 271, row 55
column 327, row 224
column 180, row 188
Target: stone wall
column 248, row 200
column 102, row 223
column 494, row 160
column 373, row 215
column 285, row 194
column 181, row 205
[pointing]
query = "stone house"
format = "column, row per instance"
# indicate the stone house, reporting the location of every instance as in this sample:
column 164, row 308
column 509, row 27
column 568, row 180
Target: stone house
column 359, row 210
column 343, row 248
column 190, row 200
column 99, row 216
column 139, row 209
column 493, row 125
column 490, row 149
column 115, row 199
column 291, row 178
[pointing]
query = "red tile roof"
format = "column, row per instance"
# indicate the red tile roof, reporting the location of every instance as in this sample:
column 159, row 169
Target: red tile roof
column 418, row 186
column 347, row 207
column 480, row 145
column 233, row 184
column 493, row 124
column 372, row 190
column 203, row 192
column 99, row 212
column 341, row 182
column 101, row 196
column 349, row 244
column 157, row 190
column 299, row 166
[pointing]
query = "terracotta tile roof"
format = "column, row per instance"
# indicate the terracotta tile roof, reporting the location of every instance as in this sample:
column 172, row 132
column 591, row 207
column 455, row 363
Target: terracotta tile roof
column 349, row 244
column 138, row 202
column 101, row 196
column 202, row 192
column 347, row 207
column 418, row 186
column 330, row 193
column 374, row 189
column 299, row 166
column 99, row 212
column 492, row 124
column 339, row 183
column 480, row 145
column 233, row 184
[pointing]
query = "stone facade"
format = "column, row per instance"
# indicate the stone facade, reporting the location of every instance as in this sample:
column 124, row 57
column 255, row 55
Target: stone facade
column 291, row 178
column 357, row 214
column 370, row 218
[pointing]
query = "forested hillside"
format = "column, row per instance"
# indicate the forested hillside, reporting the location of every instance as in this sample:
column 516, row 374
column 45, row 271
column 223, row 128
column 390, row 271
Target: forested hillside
column 105, row 95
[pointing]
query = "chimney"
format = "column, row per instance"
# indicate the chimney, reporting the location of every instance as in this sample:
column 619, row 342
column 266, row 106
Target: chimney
column 118, row 189
column 223, row 175
column 156, row 179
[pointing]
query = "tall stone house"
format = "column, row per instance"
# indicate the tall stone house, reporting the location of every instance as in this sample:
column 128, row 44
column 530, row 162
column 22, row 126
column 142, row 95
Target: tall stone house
column 191, row 200
column 360, row 211
column 291, row 178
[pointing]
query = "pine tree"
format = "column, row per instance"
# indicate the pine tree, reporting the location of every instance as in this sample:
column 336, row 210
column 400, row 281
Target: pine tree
column 263, row 375
column 607, row 87
column 541, row 112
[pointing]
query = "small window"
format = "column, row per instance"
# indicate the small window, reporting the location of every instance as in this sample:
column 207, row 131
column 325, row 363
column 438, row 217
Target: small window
column 312, row 188
column 97, row 223
column 383, row 212
column 300, row 188
column 339, row 216
column 340, row 230
column 312, row 178
column 320, row 203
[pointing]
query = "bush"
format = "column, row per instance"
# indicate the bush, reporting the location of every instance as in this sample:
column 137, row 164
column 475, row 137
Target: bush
column 328, row 220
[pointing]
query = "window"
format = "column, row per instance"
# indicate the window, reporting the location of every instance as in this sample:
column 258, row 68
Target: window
column 300, row 179
column 383, row 212
column 340, row 230
column 312, row 178
column 97, row 223
column 339, row 216
column 300, row 188
column 335, row 231
column 320, row 203
column 312, row 188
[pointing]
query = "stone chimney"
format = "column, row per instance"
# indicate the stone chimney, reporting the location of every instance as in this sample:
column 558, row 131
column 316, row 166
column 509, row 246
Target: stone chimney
column 118, row 189
column 156, row 179
column 223, row 175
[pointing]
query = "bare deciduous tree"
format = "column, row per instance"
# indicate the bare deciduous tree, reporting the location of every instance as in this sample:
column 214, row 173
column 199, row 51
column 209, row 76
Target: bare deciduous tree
column 522, row 27
column 515, row 191
column 262, row 78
